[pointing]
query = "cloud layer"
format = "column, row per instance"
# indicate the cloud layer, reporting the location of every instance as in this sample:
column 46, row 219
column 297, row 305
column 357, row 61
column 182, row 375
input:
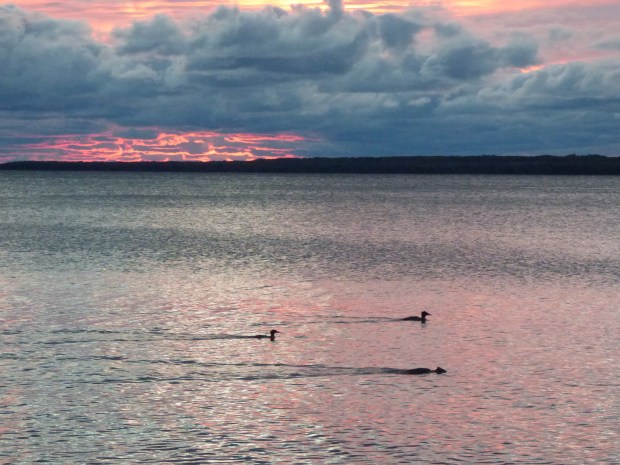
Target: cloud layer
column 307, row 82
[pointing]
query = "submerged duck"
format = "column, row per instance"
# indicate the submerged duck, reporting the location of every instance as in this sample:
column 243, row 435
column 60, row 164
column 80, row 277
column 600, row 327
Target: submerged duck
column 421, row 318
column 423, row 371
column 272, row 335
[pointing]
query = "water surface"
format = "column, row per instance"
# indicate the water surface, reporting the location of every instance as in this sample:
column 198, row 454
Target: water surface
column 126, row 299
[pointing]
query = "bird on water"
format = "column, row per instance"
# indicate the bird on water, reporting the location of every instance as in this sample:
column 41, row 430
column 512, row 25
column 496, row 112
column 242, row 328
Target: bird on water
column 421, row 318
column 272, row 335
column 423, row 371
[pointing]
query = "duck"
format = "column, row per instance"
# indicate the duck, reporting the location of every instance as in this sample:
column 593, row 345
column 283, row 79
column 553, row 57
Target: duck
column 423, row 371
column 421, row 318
column 272, row 335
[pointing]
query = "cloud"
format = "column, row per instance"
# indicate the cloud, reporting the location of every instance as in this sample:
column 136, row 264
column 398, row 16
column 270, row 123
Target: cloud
column 46, row 64
column 612, row 43
column 160, row 36
column 466, row 59
column 343, row 82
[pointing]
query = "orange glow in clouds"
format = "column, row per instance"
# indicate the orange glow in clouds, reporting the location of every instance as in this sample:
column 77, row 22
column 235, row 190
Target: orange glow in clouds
column 151, row 144
column 103, row 15
column 165, row 146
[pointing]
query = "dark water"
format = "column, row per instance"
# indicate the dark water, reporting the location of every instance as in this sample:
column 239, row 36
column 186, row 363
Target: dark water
column 125, row 300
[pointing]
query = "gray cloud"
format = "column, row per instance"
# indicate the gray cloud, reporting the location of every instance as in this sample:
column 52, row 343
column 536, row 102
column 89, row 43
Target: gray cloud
column 609, row 44
column 362, row 84
column 46, row 64
column 161, row 36
column 397, row 32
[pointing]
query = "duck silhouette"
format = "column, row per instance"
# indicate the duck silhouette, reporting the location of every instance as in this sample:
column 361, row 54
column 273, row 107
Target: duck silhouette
column 421, row 318
column 272, row 335
column 423, row 371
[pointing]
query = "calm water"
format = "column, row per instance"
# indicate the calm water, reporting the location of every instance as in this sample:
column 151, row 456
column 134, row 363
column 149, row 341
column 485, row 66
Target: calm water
column 124, row 298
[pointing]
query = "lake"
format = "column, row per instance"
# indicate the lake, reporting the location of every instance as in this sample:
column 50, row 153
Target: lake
column 127, row 299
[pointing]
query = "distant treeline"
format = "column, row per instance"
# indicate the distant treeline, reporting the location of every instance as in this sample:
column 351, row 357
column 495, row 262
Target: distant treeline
column 487, row 164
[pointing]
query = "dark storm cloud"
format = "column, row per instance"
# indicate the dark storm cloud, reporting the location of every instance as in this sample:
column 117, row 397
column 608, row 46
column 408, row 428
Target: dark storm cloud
column 361, row 83
column 46, row 64
column 160, row 36
column 397, row 32
column 277, row 45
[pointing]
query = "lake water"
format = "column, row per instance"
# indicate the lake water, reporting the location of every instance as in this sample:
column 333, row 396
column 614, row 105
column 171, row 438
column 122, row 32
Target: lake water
column 124, row 299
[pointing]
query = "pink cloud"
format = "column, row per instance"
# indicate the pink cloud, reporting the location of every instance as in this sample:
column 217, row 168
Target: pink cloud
column 565, row 30
column 164, row 146
column 108, row 13
column 477, row 7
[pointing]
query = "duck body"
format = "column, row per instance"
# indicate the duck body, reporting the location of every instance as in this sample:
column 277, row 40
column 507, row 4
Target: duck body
column 421, row 318
column 424, row 371
column 272, row 335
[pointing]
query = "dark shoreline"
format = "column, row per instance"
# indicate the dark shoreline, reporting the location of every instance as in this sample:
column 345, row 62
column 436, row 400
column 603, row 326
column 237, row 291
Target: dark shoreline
column 486, row 164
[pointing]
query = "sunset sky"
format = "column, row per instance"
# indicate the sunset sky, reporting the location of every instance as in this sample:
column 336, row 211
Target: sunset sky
column 120, row 80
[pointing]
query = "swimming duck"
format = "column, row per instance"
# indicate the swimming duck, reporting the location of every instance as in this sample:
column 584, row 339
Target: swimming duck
column 272, row 335
column 421, row 318
column 423, row 371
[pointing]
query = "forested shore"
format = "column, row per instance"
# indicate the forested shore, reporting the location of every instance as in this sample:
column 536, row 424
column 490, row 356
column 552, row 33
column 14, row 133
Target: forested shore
column 543, row 165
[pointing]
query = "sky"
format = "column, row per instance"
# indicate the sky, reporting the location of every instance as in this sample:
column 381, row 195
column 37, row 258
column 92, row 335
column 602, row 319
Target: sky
column 200, row 80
